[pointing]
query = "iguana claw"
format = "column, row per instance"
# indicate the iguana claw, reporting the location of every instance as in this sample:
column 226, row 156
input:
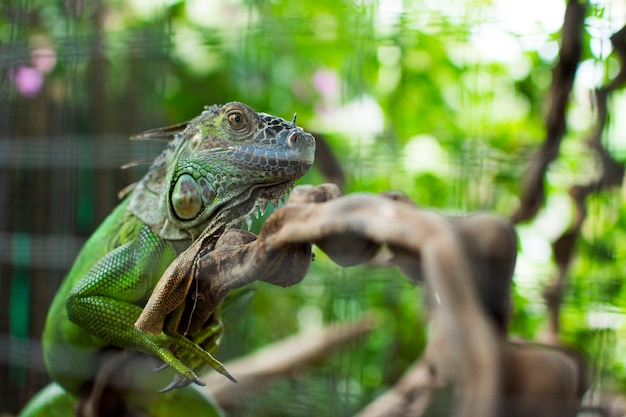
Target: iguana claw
column 224, row 372
column 160, row 367
column 180, row 381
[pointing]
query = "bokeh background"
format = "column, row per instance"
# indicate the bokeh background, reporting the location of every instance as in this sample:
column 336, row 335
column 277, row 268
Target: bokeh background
column 443, row 100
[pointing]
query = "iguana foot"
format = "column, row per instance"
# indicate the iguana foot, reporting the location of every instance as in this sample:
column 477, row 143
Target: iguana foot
column 180, row 381
column 160, row 367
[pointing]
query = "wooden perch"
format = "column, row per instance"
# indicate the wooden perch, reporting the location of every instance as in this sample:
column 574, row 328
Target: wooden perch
column 409, row 397
column 458, row 259
column 280, row 359
column 538, row 381
column 466, row 264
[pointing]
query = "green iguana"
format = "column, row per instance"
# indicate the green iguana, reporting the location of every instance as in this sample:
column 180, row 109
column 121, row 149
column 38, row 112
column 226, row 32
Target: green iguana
column 220, row 168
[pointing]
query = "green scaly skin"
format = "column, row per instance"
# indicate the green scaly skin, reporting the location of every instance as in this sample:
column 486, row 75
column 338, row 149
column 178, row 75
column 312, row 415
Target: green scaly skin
column 219, row 169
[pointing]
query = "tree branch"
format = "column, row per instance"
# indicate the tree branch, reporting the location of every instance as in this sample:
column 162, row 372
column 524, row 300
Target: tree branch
column 533, row 193
column 612, row 175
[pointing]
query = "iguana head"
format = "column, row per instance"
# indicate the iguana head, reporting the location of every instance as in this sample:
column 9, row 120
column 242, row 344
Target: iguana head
column 224, row 165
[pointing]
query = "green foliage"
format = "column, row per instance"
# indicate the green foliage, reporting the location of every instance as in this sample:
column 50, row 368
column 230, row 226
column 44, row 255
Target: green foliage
column 409, row 100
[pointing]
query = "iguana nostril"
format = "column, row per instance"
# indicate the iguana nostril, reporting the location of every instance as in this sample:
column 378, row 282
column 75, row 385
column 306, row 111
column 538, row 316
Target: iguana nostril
column 293, row 139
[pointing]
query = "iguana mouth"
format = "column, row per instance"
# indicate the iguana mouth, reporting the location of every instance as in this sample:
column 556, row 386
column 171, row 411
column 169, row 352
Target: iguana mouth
column 306, row 155
column 298, row 147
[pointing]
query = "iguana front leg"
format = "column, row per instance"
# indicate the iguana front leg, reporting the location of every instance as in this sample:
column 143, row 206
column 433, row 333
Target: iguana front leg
column 107, row 301
column 171, row 290
column 170, row 311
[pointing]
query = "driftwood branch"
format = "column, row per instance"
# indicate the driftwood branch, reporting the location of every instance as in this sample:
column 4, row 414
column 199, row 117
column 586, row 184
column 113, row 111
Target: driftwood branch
column 611, row 175
column 612, row 171
column 465, row 263
column 281, row 359
column 538, row 381
column 425, row 245
column 409, row 397
column 533, row 193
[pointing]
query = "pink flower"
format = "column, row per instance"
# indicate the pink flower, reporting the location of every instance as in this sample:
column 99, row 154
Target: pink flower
column 28, row 80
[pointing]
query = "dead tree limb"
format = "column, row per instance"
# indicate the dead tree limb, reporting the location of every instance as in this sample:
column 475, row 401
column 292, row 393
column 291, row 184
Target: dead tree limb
column 611, row 175
column 533, row 193
column 351, row 230
column 409, row 397
column 466, row 264
column 280, row 359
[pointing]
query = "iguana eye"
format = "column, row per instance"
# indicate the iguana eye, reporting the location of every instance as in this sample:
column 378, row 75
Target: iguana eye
column 237, row 120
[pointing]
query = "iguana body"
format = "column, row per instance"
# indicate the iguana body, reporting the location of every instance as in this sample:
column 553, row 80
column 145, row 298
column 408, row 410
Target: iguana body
column 221, row 167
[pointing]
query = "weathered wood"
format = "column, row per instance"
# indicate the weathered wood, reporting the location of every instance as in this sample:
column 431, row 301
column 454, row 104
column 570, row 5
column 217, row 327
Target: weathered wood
column 281, row 358
column 409, row 397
